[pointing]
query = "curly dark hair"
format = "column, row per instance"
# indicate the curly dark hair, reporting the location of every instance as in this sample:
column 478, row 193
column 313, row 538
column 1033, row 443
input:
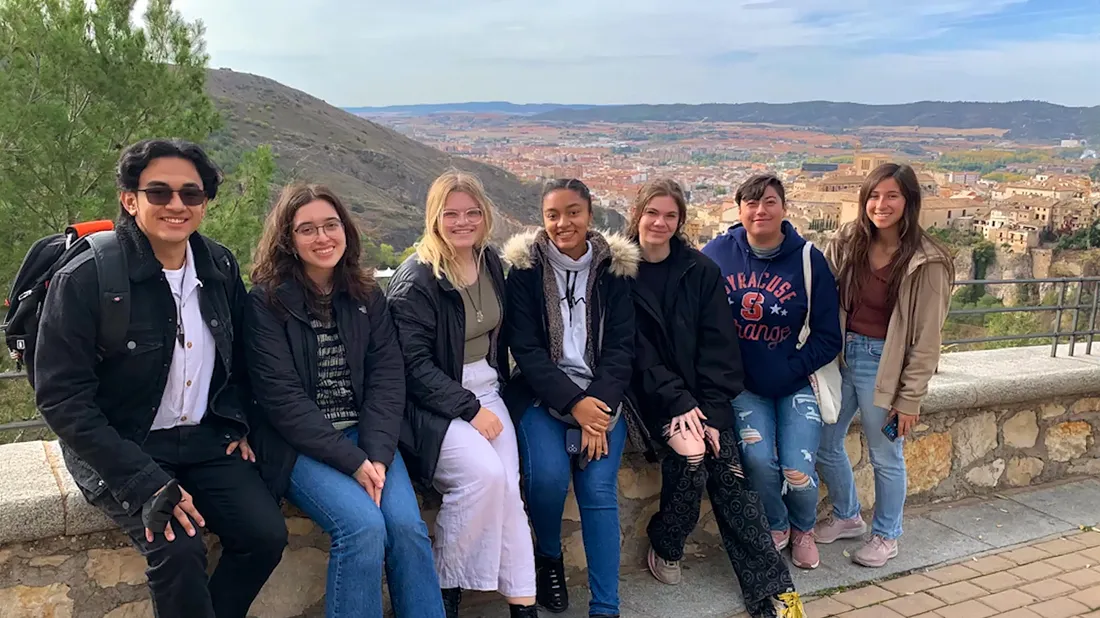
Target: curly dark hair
column 133, row 161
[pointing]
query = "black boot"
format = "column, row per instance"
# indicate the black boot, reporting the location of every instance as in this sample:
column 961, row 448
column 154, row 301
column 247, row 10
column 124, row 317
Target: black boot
column 452, row 597
column 550, row 576
column 523, row 611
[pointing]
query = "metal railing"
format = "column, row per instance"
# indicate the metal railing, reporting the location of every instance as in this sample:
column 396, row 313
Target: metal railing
column 1057, row 334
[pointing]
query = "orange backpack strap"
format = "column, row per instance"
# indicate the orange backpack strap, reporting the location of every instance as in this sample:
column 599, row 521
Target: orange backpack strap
column 84, row 228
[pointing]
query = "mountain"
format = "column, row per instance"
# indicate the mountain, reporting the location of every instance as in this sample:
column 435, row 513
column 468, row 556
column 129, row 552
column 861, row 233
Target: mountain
column 381, row 174
column 480, row 107
column 1024, row 120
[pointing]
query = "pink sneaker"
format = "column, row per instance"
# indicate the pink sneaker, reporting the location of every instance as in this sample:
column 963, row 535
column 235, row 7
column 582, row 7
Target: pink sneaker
column 833, row 528
column 803, row 550
column 876, row 552
column 781, row 538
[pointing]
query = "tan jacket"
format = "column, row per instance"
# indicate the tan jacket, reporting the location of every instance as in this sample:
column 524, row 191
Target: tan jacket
column 914, row 335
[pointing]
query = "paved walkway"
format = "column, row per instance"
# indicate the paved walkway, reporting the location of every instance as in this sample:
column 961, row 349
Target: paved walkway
column 1009, row 543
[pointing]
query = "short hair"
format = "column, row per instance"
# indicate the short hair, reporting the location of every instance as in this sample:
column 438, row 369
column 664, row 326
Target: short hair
column 752, row 190
column 137, row 157
column 572, row 184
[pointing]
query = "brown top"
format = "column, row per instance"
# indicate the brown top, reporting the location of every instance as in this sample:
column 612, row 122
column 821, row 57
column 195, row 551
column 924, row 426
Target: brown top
column 871, row 314
column 482, row 316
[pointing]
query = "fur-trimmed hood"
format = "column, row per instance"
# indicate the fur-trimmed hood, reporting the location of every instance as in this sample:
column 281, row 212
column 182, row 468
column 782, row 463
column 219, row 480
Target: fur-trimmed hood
column 522, row 251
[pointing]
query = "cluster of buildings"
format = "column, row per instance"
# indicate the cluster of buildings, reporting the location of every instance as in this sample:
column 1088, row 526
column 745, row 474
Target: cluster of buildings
column 1017, row 216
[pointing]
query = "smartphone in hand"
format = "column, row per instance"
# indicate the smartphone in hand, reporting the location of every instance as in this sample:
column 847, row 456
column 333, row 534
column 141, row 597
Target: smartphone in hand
column 573, row 441
column 890, row 429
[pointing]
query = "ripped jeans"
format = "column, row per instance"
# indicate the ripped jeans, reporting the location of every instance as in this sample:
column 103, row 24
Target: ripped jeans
column 759, row 568
column 779, row 438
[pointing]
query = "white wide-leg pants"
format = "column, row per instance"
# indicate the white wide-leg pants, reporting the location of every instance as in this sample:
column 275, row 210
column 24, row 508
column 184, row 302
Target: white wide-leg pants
column 482, row 537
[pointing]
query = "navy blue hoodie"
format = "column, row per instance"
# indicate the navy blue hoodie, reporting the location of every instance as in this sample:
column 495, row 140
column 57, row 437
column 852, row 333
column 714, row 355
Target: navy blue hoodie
column 768, row 300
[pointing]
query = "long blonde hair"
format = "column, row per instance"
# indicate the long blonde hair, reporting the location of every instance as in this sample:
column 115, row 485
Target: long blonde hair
column 434, row 248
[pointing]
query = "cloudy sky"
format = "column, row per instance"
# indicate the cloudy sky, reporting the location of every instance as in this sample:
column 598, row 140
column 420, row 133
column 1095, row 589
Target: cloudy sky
column 385, row 52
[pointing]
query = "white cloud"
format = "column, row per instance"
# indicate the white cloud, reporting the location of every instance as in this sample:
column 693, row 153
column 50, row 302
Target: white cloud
column 603, row 51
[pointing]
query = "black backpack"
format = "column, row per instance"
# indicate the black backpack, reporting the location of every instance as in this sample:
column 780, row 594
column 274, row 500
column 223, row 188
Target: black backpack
column 43, row 260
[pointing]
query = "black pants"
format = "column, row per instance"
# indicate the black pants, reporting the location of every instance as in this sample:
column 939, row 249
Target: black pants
column 760, row 569
column 236, row 505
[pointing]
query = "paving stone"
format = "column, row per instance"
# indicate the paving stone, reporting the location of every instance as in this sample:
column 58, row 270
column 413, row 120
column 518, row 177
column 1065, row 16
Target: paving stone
column 1059, row 547
column 1088, row 539
column 862, row 597
column 990, row 564
column 1092, row 552
column 968, row 609
column 952, row 574
column 1008, row 600
column 1070, row 562
column 1035, row 571
column 999, row 523
column 957, row 592
column 1082, row 578
column 913, row 604
column 1025, row 555
column 910, row 584
column 1062, row 607
column 996, row 582
column 825, row 607
column 1048, row 589
column 1022, row 612
column 1089, row 597
column 877, row 611
column 1072, row 502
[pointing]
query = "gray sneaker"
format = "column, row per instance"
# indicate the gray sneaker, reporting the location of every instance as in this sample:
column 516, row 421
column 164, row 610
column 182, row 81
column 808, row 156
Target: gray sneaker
column 666, row 571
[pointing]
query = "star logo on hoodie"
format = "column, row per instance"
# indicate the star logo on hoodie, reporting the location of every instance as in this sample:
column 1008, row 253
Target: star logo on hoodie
column 776, row 309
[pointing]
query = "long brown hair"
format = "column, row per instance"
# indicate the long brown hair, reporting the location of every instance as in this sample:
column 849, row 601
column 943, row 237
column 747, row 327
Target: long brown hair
column 855, row 250
column 276, row 263
column 661, row 187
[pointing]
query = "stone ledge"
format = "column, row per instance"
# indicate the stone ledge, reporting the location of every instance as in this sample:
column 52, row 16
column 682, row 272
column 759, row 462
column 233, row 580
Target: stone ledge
column 31, row 506
column 990, row 378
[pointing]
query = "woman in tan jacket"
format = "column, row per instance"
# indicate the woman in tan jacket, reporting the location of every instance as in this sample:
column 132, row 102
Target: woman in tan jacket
column 895, row 284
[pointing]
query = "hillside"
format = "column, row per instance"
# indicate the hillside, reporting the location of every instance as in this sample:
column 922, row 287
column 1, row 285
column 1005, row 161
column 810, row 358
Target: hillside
column 1025, row 120
column 476, row 107
column 383, row 175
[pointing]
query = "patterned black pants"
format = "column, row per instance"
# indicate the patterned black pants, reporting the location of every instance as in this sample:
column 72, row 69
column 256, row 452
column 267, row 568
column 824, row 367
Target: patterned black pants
column 760, row 569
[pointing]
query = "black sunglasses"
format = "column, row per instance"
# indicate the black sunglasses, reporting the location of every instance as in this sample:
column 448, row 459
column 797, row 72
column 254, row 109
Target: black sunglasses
column 162, row 196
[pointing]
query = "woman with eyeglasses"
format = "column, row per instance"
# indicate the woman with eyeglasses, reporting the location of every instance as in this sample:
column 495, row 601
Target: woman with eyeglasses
column 448, row 303
column 329, row 379
column 571, row 332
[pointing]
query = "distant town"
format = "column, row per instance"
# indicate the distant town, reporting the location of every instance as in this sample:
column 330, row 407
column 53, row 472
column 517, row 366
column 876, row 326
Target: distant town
column 1015, row 195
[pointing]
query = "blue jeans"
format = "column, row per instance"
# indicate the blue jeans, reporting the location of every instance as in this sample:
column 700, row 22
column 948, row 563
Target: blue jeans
column 781, row 433
column 861, row 358
column 547, row 469
column 364, row 536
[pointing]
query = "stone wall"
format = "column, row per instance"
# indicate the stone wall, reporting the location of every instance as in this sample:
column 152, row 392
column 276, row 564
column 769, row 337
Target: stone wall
column 992, row 420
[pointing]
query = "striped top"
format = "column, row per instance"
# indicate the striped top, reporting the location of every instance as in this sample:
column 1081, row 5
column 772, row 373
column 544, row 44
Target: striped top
column 335, row 397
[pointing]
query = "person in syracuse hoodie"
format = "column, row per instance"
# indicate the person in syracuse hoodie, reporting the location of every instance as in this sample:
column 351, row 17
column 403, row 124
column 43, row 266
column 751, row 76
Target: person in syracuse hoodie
column 777, row 417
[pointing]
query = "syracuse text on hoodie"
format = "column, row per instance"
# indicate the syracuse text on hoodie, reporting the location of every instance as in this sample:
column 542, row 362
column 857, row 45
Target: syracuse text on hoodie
column 767, row 296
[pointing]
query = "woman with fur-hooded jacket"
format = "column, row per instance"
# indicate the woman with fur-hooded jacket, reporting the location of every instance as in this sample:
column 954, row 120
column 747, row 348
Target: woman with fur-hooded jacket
column 571, row 332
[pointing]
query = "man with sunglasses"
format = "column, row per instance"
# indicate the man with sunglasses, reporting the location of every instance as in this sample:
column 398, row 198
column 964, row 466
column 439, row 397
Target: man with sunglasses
column 155, row 433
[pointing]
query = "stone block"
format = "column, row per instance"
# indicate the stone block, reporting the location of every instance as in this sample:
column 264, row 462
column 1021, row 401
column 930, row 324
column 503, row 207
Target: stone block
column 640, row 483
column 31, row 507
column 1091, row 467
column 974, row 437
column 1067, row 441
column 1022, row 470
column 1051, row 410
column 297, row 583
column 111, row 567
column 865, row 486
column 1087, row 404
column 299, row 526
column 853, row 445
column 927, row 461
column 1022, row 430
column 80, row 517
column 988, row 475
column 38, row 601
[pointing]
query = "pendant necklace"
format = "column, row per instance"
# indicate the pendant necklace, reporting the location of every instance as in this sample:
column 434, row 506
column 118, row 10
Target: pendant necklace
column 478, row 315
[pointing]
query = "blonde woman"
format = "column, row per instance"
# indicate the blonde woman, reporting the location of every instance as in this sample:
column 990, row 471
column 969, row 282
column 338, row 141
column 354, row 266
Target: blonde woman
column 448, row 303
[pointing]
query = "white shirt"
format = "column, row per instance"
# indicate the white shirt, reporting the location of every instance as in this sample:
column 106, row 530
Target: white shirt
column 572, row 278
column 187, row 392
